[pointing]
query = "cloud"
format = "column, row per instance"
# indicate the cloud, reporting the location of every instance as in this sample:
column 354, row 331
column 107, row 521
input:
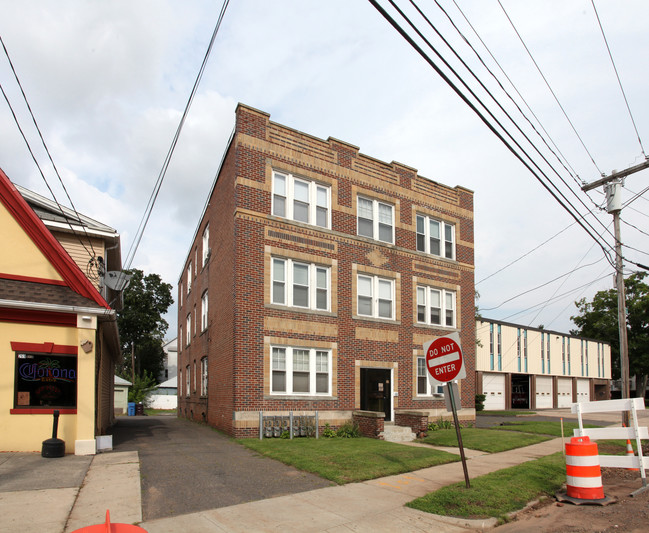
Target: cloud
column 108, row 83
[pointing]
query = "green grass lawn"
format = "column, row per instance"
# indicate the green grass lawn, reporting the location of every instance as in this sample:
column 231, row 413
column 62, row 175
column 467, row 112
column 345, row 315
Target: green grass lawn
column 493, row 495
column 506, row 413
column 486, row 440
column 498, row 493
column 349, row 460
column 153, row 412
column 543, row 427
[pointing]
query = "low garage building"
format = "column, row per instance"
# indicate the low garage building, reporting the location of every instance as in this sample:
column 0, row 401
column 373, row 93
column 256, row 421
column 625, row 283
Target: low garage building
column 518, row 367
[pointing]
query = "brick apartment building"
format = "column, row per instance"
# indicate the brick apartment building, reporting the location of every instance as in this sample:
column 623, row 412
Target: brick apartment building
column 314, row 277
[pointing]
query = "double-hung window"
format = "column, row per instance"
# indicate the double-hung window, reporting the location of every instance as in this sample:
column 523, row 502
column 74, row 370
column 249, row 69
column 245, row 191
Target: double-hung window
column 204, row 300
column 375, row 219
column 204, row 376
column 189, row 329
column 375, row 297
column 206, row 244
column 436, row 307
column 299, row 370
column 301, row 200
column 424, row 387
column 435, row 237
column 189, row 277
column 297, row 284
column 187, row 381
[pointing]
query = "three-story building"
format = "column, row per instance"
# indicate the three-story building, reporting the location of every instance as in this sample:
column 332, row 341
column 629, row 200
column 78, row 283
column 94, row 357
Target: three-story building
column 314, row 277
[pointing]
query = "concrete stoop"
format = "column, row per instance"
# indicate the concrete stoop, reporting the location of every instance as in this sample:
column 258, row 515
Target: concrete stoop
column 392, row 433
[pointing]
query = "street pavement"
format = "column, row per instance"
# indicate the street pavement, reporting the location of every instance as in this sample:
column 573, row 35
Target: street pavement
column 64, row 494
column 189, row 467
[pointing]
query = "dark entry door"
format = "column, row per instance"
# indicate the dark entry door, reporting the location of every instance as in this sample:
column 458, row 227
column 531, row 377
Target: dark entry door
column 376, row 391
column 520, row 391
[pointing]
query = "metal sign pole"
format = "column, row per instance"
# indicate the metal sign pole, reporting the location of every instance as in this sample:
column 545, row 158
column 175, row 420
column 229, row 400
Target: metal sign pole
column 449, row 390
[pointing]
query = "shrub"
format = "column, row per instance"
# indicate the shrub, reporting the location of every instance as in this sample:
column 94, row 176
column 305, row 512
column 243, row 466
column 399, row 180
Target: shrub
column 479, row 402
column 349, row 430
column 440, row 424
column 142, row 386
column 327, row 432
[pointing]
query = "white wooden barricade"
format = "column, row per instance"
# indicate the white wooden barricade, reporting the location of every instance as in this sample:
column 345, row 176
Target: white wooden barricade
column 633, row 432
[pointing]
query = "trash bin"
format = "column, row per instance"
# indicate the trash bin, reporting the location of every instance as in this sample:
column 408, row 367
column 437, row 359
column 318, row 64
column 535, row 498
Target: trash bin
column 139, row 409
column 131, row 408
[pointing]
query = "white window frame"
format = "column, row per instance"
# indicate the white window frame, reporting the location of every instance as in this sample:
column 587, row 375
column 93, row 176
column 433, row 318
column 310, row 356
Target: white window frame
column 448, row 302
column 292, row 363
column 204, row 309
column 376, row 296
column 204, row 376
column 444, row 227
column 375, row 220
column 206, row 244
column 189, row 277
column 188, row 340
column 314, row 200
column 195, row 376
column 187, row 382
column 422, row 374
column 282, row 291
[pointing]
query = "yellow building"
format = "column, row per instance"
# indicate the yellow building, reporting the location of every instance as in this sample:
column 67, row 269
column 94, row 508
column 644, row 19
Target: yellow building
column 58, row 337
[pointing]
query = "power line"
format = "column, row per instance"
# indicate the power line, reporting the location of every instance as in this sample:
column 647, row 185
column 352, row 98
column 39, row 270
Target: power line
column 617, row 75
column 525, row 254
column 562, row 160
column 635, row 227
column 559, row 297
column 92, row 255
column 163, row 171
column 637, row 195
column 549, row 87
column 562, row 284
column 491, row 127
column 500, row 106
column 542, row 285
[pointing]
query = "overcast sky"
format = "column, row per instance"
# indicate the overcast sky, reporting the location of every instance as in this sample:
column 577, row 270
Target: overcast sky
column 108, row 83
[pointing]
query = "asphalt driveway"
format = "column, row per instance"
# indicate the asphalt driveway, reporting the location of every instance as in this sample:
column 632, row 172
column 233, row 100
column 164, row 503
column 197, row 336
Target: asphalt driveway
column 187, row 467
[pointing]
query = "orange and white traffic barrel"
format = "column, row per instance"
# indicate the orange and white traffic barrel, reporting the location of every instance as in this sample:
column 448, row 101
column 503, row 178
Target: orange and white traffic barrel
column 584, row 476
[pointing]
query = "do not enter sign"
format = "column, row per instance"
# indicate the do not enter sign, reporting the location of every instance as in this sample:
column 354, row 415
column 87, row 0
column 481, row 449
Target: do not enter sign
column 444, row 359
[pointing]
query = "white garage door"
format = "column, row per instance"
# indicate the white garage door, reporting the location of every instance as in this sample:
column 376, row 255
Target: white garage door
column 583, row 390
column 564, row 392
column 543, row 392
column 493, row 387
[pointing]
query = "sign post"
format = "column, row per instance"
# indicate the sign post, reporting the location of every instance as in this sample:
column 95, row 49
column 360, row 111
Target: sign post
column 445, row 363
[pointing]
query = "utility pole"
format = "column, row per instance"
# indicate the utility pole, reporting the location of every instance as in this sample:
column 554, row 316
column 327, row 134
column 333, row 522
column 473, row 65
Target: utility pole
column 614, row 206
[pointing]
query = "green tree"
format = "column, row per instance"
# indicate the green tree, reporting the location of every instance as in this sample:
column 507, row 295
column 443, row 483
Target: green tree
column 141, row 324
column 598, row 320
column 142, row 386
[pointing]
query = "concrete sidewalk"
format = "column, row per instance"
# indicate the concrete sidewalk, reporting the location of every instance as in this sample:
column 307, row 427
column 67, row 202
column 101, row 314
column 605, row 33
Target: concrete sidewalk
column 39, row 495
column 65, row 494
column 372, row 506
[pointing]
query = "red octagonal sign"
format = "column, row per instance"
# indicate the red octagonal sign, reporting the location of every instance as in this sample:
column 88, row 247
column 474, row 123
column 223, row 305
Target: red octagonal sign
column 444, row 359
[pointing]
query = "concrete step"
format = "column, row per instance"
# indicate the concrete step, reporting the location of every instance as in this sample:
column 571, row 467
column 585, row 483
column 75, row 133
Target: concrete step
column 394, row 433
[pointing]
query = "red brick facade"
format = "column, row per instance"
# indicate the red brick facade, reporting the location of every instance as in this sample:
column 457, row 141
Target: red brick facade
column 250, row 340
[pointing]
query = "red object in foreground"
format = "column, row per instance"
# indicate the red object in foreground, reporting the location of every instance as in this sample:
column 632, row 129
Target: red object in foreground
column 444, row 359
column 584, row 476
column 110, row 528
